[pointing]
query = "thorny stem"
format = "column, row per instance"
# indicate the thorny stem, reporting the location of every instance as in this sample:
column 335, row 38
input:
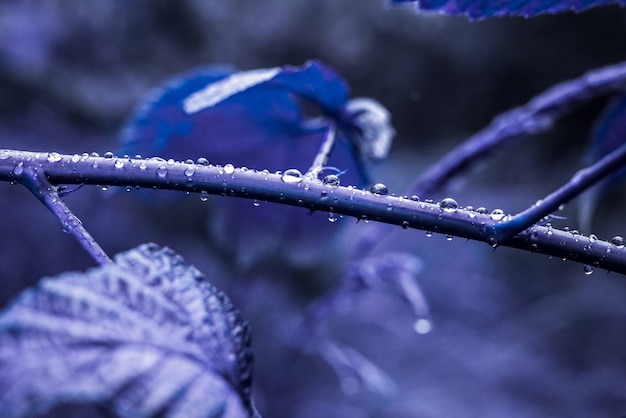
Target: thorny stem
column 312, row 195
column 536, row 116
column 34, row 179
column 324, row 152
column 580, row 182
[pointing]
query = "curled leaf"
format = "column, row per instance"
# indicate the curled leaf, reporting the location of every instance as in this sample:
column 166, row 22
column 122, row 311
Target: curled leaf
column 494, row 8
column 148, row 336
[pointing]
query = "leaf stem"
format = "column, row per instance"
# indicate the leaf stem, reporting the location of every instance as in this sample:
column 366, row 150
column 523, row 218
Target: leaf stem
column 324, row 152
column 34, row 179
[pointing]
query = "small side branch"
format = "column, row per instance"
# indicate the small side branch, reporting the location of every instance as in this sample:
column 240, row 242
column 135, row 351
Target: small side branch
column 34, row 178
column 580, row 182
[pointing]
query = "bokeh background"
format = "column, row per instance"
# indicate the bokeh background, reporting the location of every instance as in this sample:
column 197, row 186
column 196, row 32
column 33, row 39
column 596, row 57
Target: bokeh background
column 515, row 334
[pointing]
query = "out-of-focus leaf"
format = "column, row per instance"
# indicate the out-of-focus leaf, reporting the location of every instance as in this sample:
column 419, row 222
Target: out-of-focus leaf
column 148, row 336
column 608, row 134
column 272, row 119
column 494, row 8
column 250, row 118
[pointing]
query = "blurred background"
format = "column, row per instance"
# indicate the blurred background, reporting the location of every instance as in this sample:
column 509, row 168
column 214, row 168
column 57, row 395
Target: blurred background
column 515, row 334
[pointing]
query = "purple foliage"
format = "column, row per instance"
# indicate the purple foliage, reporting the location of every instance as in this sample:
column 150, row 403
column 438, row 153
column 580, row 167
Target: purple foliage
column 148, row 335
column 496, row 8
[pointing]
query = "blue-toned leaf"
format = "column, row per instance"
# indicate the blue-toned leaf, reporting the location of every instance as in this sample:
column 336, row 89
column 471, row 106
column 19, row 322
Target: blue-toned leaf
column 147, row 335
column 608, row 134
column 493, row 8
column 260, row 119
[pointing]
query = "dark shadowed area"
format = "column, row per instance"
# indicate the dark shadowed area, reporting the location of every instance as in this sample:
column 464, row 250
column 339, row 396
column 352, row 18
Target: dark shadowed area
column 514, row 334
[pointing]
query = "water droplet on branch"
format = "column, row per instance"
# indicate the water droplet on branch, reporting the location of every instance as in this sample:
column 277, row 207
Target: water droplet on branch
column 448, row 204
column 291, row 176
column 587, row 269
column 497, row 214
column 618, row 241
column 54, row 157
column 229, row 169
column 331, row 180
column 379, row 189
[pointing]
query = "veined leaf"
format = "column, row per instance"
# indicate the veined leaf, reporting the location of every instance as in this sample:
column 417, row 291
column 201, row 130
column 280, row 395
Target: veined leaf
column 148, row 336
column 495, row 8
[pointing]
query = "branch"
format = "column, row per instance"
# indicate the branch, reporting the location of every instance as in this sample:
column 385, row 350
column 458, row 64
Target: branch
column 313, row 195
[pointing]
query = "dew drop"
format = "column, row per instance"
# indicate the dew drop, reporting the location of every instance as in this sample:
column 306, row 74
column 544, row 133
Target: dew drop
column 482, row 210
column 449, row 237
column 533, row 248
column 105, row 188
column 256, row 203
column 162, row 171
column 423, row 326
column 4, row 154
column 189, row 171
column 415, row 198
column 204, row 196
column 618, row 241
column 587, row 269
column 323, row 194
column 332, row 217
column 229, row 169
column 405, row 225
column 291, row 176
column 171, row 161
column 202, row 161
column 448, row 204
column 143, row 165
column 593, row 238
column 108, row 155
column 429, row 234
column 497, row 214
column 18, row 169
column 379, row 189
column 75, row 158
column 331, row 180
column 129, row 188
column 54, row 157
column 119, row 163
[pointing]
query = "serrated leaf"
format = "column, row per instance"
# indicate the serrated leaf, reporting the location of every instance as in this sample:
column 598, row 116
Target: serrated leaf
column 497, row 8
column 147, row 335
column 609, row 133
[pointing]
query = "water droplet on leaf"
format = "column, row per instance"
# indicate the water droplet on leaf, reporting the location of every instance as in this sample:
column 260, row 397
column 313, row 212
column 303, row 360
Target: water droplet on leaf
column 291, row 176
column 379, row 189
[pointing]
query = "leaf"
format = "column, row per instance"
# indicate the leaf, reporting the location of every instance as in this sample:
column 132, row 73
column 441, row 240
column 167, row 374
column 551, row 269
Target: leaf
column 496, row 8
column 257, row 119
column 147, row 335
column 262, row 119
column 609, row 133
